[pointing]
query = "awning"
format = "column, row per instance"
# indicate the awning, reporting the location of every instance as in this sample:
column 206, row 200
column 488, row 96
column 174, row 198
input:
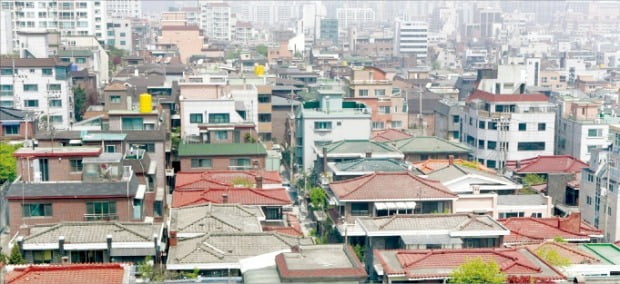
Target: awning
column 395, row 205
column 152, row 168
column 140, row 192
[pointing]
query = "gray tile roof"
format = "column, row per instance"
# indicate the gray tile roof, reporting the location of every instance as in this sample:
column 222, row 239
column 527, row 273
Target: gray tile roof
column 230, row 247
column 404, row 224
column 456, row 171
column 72, row 189
column 210, row 217
column 132, row 135
column 526, row 199
column 358, row 146
column 370, row 165
column 7, row 113
column 92, row 232
column 429, row 144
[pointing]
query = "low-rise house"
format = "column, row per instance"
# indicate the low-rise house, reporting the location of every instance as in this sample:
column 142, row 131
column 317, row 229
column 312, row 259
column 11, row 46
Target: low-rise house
column 414, row 266
column 91, row 242
column 108, row 273
column 16, row 124
column 235, row 156
column 527, row 230
column 345, row 150
column 431, row 165
column 192, row 221
column 505, row 206
column 389, row 134
column 355, row 168
column 422, row 148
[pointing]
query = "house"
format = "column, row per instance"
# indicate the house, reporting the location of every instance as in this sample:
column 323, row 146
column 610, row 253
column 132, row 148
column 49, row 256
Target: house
column 187, row 38
column 462, row 179
column 422, row 148
column 528, row 230
column 344, row 150
column 365, row 166
column 227, row 156
column 562, row 174
column 505, row 205
column 389, row 134
column 332, row 263
column 436, row 265
column 431, row 165
column 600, row 261
column 16, row 124
column 228, row 255
column 198, row 220
column 90, row 242
column 94, row 273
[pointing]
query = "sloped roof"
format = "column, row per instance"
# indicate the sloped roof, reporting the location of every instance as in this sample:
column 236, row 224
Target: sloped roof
column 357, row 146
column 410, row 224
column 223, row 178
column 240, row 195
column 228, row 149
column 431, row 165
column 94, row 273
column 368, row 165
column 452, row 172
column 429, row 144
column 92, row 232
column 216, row 217
column 535, row 230
column 389, row 134
column 438, row 264
column 568, row 251
column 548, row 164
column 7, row 113
column 392, row 186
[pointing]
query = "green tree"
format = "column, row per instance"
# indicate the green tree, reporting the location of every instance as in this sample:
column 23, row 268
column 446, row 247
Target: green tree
column 232, row 54
column 148, row 272
column 318, row 198
column 552, row 256
column 79, row 106
column 530, row 180
column 359, row 251
column 8, row 164
column 262, row 50
column 476, row 270
column 16, row 256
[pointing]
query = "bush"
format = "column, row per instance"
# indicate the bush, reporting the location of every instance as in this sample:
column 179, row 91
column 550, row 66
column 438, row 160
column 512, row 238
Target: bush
column 16, row 256
column 478, row 271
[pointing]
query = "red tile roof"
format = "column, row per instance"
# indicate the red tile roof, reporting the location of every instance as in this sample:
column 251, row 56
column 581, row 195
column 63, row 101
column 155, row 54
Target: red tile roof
column 235, row 195
column 389, row 135
column 222, row 178
column 486, row 96
column 393, row 186
column 548, row 164
column 432, row 264
column 536, row 230
column 568, row 251
column 108, row 273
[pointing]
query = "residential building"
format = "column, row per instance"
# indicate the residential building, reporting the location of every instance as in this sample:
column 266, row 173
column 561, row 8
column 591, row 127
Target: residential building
column 414, row 266
column 389, row 134
column 501, row 127
column 100, row 63
column 421, row 148
column 16, row 125
column 124, row 8
column 6, row 24
column 187, row 38
column 223, row 156
column 354, row 16
column 329, row 30
column 347, row 150
column 562, row 176
column 326, row 120
column 199, row 220
column 216, row 20
column 348, row 169
column 448, row 120
column 528, row 230
column 490, row 21
column 119, row 33
column 431, row 165
column 282, row 116
column 91, row 242
column 41, row 86
column 37, row 44
column 373, row 46
column 411, row 38
column 370, row 86
column 109, row 273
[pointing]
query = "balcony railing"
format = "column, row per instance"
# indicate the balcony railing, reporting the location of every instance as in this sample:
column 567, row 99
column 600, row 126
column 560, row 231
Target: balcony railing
column 100, row 217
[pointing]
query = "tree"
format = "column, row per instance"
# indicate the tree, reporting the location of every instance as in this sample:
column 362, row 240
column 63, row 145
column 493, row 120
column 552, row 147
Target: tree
column 232, row 54
column 359, row 251
column 477, row 270
column 552, row 256
column 262, row 50
column 318, row 198
column 148, row 272
column 8, row 164
column 79, row 106
column 529, row 180
column 16, row 256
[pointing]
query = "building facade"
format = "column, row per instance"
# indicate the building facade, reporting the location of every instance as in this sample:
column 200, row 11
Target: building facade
column 411, row 38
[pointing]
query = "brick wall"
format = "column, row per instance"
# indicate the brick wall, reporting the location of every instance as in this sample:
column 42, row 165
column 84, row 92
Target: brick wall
column 59, row 169
column 218, row 163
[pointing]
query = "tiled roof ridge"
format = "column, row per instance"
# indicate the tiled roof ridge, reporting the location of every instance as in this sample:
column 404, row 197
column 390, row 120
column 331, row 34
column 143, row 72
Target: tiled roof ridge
column 472, row 218
column 261, row 192
column 131, row 230
column 368, row 178
column 544, row 223
column 63, row 224
column 431, row 183
column 24, row 271
column 409, row 264
column 566, row 247
column 50, row 229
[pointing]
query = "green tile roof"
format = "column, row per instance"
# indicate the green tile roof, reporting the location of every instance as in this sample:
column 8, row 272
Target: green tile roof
column 607, row 252
column 358, row 146
column 372, row 165
column 429, row 144
column 232, row 149
column 75, row 53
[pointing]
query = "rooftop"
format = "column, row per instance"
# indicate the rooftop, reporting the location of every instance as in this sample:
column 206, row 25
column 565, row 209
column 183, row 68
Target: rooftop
column 367, row 166
column 80, row 151
column 8, row 114
column 429, row 144
column 205, row 218
column 92, row 232
column 103, row 273
column 506, row 98
column 524, row 230
column 455, row 225
column 232, row 149
column 238, row 195
column 431, row 165
column 607, row 252
column 30, row 62
column 223, row 178
column 547, row 164
column 320, row 262
column 357, row 147
column 73, row 189
column 389, row 134
column 525, row 199
column 572, row 252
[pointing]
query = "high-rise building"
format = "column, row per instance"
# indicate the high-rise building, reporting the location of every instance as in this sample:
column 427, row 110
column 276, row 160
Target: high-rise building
column 124, row 8
column 329, row 30
column 411, row 38
column 490, row 20
column 216, row 21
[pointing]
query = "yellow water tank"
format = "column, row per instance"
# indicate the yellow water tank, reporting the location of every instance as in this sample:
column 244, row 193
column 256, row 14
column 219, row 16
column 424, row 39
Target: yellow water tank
column 259, row 70
column 146, row 103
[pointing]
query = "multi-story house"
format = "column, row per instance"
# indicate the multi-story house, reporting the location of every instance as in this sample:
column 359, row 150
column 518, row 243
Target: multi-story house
column 265, row 128
column 370, row 86
column 216, row 19
column 100, row 60
column 187, row 38
column 42, row 86
column 327, row 120
column 448, row 120
column 119, row 34
column 16, row 124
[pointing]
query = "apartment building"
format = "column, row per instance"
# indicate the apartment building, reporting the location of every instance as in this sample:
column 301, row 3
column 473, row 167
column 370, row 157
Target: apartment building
column 119, row 34
column 265, row 127
column 370, row 86
column 42, row 86
column 216, row 20
column 411, row 38
column 187, row 38
column 124, row 8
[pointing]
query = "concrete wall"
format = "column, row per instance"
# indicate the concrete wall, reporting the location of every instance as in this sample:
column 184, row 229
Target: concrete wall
column 217, row 163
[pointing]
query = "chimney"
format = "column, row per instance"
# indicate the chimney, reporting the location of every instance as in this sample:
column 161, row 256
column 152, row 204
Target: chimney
column 172, row 241
column 295, row 248
column 61, row 246
column 136, row 73
column 24, row 230
column 224, row 198
column 259, row 182
column 572, row 223
column 324, row 159
column 451, row 160
column 108, row 239
column 475, row 189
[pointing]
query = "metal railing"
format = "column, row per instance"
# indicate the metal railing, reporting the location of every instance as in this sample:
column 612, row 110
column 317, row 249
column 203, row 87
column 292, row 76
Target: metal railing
column 100, row 217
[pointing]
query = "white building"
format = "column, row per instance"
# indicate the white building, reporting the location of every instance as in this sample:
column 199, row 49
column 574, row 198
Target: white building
column 124, row 8
column 532, row 67
column 216, row 21
column 6, row 38
column 40, row 85
column 100, row 60
column 411, row 38
column 500, row 127
column 354, row 16
column 119, row 35
column 67, row 16
column 329, row 120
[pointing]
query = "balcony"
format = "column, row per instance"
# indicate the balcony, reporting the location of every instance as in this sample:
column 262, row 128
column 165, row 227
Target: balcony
column 138, row 159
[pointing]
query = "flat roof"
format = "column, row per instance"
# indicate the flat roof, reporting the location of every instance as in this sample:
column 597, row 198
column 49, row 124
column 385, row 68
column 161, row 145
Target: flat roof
column 57, row 152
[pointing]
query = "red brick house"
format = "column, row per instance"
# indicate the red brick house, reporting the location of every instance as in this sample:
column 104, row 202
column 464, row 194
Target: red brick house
column 230, row 156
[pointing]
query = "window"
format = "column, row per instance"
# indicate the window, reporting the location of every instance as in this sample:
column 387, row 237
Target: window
column 362, row 93
column 240, row 162
column 608, row 210
column 6, row 90
column 264, row 117
column 219, row 118
column 511, row 215
column 481, row 124
column 148, row 147
column 101, row 210
column 201, row 163
column 471, row 121
column 195, row 118
column 42, row 256
column 11, row 130
column 492, row 125
column 37, row 210
column 123, row 42
column 31, row 103
column 273, row 213
column 264, row 99
column 322, row 125
column 132, row 123
column 542, row 126
column 522, row 126
column 491, row 164
column 480, row 144
column 56, row 118
column 31, row 87
column 378, row 125
column 491, row 145
column 80, row 60
column 531, row 146
column 590, row 148
column 76, row 165
column 470, row 140
column 111, row 33
column 397, row 124
column 6, row 71
column 110, row 148
column 380, row 92
column 384, row 109
column 123, row 34
column 589, row 200
column 55, row 103
column 221, row 135
column 455, row 119
column 359, row 209
column 595, row 132
column 115, row 99
column 53, row 87
column 6, row 103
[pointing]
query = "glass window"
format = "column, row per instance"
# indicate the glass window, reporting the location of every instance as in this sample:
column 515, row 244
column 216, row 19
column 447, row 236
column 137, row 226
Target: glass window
column 101, row 210
column 115, row 99
column 491, row 145
column 219, row 118
column 80, row 60
column 195, row 118
column 363, row 93
column 6, row 90
column 31, row 87
column 55, row 103
column 264, row 117
column 380, row 92
column 264, row 99
column 323, row 125
column 148, row 147
column 480, row 144
column 492, row 125
column 132, row 123
column 37, row 210
column 595, row 132
column 491, row 164
column 42, row 256
column 31, row 103
column 397, row 124
column 531, row 146
column 359, row 209
column 273, row 213
column 123, row 34
column 522, row 126
column 221, row 135
column 240, row 162
column 542, row 126
column 481, row 124
column 201, row 163
column 6, row 71
column 123, row 42
column 384, row 109
column 11, row 130
column 76, row 165
column 56, row 118
column 455, row 119
column 53, row 87
column 110, row 148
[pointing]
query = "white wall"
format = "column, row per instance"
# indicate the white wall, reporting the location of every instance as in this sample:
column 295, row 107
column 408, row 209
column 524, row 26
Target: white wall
column 205, row 107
